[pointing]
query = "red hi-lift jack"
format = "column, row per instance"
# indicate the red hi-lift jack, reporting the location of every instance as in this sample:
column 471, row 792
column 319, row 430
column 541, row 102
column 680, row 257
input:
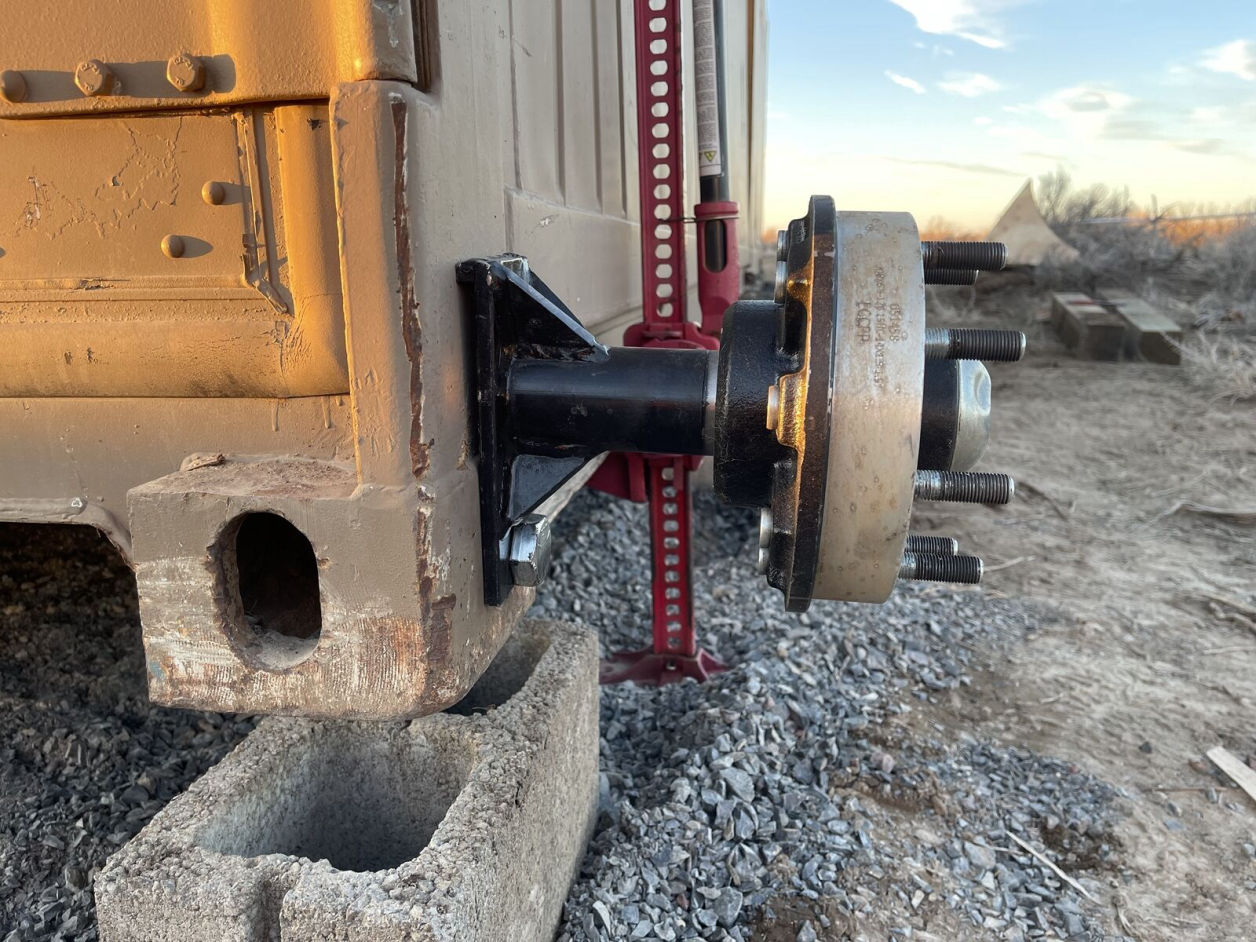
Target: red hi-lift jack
column 663, row 480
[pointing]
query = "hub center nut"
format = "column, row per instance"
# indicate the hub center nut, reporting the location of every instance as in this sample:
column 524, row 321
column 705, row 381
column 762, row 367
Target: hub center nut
column 530, row 550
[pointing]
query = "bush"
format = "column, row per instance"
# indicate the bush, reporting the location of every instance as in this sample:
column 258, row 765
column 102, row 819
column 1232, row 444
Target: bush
column 1201, row 270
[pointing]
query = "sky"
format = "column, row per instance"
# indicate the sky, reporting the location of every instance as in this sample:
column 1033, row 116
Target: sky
column 943, row 108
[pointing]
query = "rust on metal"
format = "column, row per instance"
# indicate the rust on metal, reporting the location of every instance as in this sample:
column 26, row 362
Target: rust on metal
column 410, row 330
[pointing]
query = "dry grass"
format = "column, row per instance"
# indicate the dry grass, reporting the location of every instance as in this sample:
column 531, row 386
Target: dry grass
column 1202, row 271
column 1222, row 366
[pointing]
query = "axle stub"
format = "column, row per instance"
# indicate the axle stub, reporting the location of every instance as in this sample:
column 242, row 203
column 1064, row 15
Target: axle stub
column 830, row 408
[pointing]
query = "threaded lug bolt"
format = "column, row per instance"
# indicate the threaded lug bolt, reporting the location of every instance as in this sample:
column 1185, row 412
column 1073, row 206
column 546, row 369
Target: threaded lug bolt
column 974, row 343
column 983, row 256
column 932, row 545
column 935, row 567
column 966, row 487
column 950, row 276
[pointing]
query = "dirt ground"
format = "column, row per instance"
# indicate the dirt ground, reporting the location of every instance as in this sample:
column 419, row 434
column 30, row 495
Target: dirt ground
column 1157, row 662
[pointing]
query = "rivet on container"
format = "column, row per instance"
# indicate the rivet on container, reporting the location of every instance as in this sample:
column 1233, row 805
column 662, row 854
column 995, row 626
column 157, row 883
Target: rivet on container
column 185, row 72
column 93, row 78
column 12, row 86
column 172, row 246
column 213, row 193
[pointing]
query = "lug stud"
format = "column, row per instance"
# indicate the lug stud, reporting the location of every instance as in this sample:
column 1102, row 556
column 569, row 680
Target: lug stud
column 966, row 487
column 969, row 343
column 983, row 256
column 931, row 567
column 950, row 276
column 932, row 545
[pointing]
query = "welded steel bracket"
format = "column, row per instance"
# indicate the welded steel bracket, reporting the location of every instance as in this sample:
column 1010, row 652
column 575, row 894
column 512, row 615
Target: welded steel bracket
column 515, row 313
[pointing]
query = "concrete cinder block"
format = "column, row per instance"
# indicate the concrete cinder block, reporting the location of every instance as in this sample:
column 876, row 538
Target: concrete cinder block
column 469, row 824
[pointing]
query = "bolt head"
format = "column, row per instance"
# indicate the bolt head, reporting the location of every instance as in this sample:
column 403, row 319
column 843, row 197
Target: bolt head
column 773, row 418
column 173, row 246
column 530, row 550
column 185, row 72
column 12, row 86
column 93, row 78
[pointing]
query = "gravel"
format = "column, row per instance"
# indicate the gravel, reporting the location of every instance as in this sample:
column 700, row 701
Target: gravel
column 84, row 760
column 800, row 795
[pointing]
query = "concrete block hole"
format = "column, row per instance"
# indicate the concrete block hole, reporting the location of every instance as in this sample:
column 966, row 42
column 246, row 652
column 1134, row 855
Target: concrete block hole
column 506, row 675
column 268, row 590
column 363, row 800
column 368, row 796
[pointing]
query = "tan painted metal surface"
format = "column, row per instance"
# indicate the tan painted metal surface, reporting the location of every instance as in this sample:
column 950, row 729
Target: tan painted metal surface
column 186, row 255
column 222, row 271
column 122, row 52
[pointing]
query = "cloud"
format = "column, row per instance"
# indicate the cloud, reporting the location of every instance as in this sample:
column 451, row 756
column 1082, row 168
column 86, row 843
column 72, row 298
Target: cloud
column 904, row 81
column 968, row 19
column 1132, row 129
column 950, row 165
column 1210, row 114
column 970, row 85
column 1146, row 122
column 1089, row 111
column 1209, row 145
column 1233, row 58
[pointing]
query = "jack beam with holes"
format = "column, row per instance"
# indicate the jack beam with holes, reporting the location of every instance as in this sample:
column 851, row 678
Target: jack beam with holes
column 830, row 408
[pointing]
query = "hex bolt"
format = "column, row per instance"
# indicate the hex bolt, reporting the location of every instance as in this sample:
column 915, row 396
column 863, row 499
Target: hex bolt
column 983, row 256
column 766, row 526
column 966, row 487
column 12, row 86
column 185, row 72
column 93, row 78
column 173, row 246
column 530, row 550
column 932, row 545
column 213, row 193
column 974, row 343
column 934, row 567
column 773, row 413
column 950, row 276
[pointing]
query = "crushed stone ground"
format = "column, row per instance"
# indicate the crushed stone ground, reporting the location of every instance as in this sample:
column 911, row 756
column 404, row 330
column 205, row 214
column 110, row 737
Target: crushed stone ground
column 785, row 798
